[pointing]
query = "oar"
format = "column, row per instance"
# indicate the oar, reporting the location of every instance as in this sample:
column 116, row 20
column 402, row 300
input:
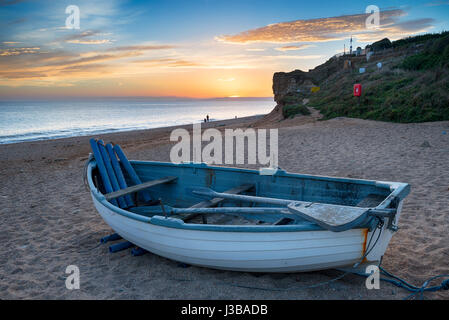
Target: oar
column 332, row 217
column 168, row 211
column 209, row 193
column 231, row 210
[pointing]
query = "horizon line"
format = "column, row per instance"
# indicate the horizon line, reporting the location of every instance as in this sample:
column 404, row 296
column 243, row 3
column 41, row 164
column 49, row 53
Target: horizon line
column 128, row 97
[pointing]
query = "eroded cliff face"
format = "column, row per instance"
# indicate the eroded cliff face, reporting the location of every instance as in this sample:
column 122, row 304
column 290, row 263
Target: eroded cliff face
column 291, row 83
column 298, row 83
column 294, row 88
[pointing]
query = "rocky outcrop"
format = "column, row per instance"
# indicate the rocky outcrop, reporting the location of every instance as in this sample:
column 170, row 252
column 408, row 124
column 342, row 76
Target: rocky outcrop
column 291, row 83
column 298, row 83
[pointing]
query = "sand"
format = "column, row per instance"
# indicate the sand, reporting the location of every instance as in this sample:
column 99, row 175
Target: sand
column 48, row 220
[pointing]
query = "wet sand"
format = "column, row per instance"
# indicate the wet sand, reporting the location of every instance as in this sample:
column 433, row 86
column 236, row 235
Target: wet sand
column 48, row 220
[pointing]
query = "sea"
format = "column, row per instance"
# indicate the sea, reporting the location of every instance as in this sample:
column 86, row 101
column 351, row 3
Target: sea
column 32, row 120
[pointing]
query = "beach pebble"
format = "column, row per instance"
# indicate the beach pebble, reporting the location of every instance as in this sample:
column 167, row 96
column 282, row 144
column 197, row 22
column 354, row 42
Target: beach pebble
column 425, row 144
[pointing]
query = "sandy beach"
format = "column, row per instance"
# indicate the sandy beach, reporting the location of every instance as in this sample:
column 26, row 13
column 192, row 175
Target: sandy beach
column 49, row 222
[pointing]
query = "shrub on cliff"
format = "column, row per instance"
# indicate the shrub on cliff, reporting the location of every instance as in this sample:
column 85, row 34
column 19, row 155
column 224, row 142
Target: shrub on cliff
column 436, row 55
column 289, row 111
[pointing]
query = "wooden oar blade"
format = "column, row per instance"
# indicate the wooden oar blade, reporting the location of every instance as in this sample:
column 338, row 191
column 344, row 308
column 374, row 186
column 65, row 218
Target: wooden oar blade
column 331, row 217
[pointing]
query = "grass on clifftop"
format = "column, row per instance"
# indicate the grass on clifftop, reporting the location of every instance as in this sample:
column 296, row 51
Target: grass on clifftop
column 414, row 88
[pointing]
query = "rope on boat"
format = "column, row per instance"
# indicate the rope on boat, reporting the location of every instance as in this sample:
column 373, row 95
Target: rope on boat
column 399, row 283
column 379, row 226
column 395, row 280
column 415, row 291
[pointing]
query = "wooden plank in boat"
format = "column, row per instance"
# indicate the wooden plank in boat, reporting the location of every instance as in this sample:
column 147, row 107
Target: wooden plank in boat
column 371, row 200
column 215, row 201
column 138, row 187
column 331, row 217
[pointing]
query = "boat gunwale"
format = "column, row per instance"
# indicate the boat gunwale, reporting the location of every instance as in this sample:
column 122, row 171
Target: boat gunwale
column 398, row 190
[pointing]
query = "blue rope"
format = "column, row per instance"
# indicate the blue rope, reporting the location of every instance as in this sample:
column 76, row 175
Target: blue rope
column 415, row 291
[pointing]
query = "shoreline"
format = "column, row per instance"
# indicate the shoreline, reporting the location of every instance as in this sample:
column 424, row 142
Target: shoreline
column 119, row 131
column 119, row 137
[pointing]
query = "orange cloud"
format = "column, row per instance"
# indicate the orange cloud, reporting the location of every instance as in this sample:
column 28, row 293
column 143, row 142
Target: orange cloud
column 89, row 41
column 167, row 62
column 18, row 51
column 327, row 29
column 80, row 38
column 142, row 48
column 292, row 48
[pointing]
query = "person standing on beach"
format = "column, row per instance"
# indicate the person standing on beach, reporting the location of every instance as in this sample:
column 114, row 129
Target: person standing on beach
column 207, row 117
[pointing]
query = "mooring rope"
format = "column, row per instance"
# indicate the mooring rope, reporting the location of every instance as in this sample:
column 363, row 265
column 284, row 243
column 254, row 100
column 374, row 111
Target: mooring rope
column 395, row 280
column 295, row 288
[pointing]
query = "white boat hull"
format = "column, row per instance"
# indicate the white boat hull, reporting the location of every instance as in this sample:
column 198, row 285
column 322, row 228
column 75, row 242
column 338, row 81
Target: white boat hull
column 292, row 251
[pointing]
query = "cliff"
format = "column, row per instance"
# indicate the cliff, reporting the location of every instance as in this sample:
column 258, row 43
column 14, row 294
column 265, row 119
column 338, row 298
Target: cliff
column 411, row 86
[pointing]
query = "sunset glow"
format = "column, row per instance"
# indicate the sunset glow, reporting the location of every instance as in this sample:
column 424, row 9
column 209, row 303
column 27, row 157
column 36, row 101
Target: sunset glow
column 133, row 48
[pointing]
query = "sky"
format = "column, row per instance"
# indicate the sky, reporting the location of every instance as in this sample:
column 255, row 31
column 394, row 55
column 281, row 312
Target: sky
column 197, row 49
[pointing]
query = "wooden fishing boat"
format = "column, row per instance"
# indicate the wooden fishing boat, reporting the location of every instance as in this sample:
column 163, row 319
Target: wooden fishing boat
column 236, row 219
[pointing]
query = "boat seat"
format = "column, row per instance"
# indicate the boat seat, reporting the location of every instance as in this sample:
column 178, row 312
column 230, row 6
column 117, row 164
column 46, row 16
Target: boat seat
column 139, row 187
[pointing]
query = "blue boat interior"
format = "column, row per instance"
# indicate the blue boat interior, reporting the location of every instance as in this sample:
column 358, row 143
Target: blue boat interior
column 156, row 189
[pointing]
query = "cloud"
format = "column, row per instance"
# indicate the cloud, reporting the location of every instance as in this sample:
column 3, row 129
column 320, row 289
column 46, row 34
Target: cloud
column 80, row 38
column 82, row 35
column 9, row 2
column 95, row 58
column 398, row 30
column 323, row 29
column 18, row 51
column 89, row 41
column 142, row 48
column 437, row 3
column 292, row 48
column 11, row 43
column 167, row 62
column 255, row 49
column 22, row 75
column 17, row 21
column 17, row 63
column 305, row 57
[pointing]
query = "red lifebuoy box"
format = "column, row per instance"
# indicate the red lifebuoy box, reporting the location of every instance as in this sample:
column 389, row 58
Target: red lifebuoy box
column 357, row 90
